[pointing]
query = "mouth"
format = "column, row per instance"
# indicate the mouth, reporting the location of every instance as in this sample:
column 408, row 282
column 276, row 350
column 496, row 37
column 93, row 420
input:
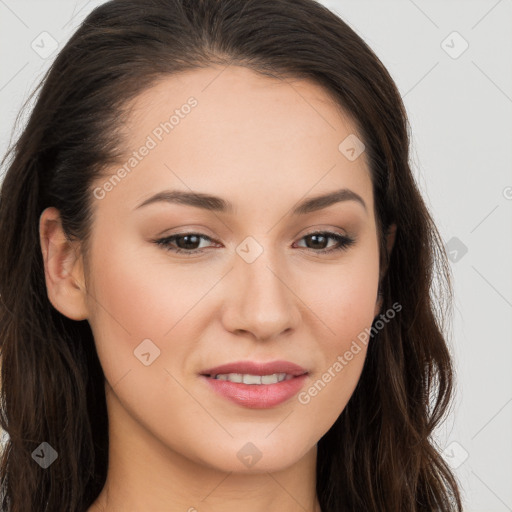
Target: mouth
column 256, row 385
column 247, row 378
column 253, row 372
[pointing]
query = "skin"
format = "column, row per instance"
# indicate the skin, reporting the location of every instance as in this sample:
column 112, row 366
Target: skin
column 263, row 144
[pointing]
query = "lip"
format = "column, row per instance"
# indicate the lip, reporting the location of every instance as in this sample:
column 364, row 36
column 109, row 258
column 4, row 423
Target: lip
column 257, row 396
column 256, row 368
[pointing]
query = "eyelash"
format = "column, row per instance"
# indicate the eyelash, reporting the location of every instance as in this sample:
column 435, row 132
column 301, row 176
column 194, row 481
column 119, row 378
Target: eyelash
column 344, row 242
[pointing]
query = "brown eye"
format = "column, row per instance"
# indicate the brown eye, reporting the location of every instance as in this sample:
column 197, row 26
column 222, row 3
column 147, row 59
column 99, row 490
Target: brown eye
column 187, row 243
column 183, row 242
column 319, row 241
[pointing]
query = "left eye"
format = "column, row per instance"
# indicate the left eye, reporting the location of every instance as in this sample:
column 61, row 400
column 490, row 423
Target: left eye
column 187, row 242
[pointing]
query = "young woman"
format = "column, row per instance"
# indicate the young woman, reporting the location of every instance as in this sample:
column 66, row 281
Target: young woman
column 216, row 273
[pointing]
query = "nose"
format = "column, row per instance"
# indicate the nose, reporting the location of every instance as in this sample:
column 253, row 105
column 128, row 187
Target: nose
column 261, row 300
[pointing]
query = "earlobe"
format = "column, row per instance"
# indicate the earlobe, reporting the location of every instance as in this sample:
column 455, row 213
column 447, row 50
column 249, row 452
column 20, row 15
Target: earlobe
column 63, row 267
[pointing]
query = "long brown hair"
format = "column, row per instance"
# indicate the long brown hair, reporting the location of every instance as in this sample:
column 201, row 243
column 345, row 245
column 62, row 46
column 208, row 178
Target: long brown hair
column 379, row 455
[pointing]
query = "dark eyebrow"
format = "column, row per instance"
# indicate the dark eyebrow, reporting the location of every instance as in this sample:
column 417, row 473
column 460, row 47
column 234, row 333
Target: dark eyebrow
column 217, row 204
column 197, row 199
column 323, row 201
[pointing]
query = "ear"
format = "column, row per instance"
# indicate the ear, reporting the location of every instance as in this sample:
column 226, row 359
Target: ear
column 390, row 242
column 62, row 266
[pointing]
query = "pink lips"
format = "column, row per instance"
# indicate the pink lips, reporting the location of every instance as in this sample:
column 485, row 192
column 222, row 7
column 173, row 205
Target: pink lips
column 257, row 396
column 254, row 368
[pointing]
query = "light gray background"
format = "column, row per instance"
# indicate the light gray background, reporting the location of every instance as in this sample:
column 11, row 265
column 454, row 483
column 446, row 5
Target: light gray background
column 460, row 113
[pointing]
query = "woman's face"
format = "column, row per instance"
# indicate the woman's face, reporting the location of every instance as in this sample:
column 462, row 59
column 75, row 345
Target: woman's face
column 250, row 284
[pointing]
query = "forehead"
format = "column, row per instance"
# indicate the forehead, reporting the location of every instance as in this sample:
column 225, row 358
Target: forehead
column 234, row 133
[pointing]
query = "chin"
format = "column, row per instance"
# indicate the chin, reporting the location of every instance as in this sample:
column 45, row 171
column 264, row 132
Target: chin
column 258, row 456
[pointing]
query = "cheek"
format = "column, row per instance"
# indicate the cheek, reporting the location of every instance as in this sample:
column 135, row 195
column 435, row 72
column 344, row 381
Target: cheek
column 343, row 296
column 344, row 301
column 144, row 301
column 132, row 301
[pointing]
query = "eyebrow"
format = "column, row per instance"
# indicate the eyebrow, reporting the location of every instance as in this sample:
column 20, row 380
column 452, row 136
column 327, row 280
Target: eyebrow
column 217, row 204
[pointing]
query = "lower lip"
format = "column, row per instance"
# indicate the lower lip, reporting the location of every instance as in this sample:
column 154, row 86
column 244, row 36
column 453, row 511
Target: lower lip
column 257, row 396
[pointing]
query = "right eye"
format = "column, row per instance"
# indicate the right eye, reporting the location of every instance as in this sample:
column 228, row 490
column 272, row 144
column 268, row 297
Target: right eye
column 183, row 241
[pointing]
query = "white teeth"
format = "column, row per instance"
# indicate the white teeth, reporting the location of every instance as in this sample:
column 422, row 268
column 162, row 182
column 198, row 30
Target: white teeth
column 253, row 379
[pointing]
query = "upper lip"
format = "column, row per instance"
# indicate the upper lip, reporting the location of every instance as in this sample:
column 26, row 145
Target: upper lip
column 255, row 368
